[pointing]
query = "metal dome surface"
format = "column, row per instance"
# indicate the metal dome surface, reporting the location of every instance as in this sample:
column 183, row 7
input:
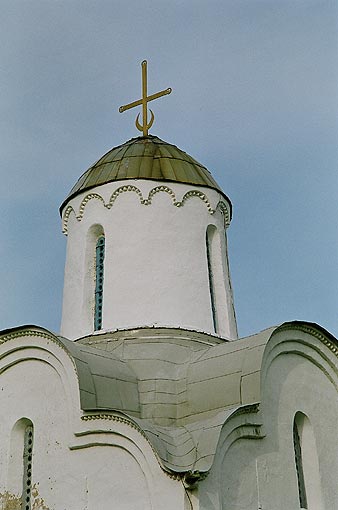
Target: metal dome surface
column 145, row 157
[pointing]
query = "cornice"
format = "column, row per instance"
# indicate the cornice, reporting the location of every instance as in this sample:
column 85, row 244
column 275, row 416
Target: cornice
column 29, row 332
column 128, row 421
column 311, row 330
column 221, row 206
column 189, row 478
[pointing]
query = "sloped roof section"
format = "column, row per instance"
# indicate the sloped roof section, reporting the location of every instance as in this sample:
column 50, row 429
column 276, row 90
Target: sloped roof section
column 145, row 157
column 190, row 448
column 183, row 389
column 104, row 380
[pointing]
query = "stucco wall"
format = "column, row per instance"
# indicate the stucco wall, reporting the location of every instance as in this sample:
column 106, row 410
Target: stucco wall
column 88, row 460
column 155, row 270
column 91, row 465
column 250, row 472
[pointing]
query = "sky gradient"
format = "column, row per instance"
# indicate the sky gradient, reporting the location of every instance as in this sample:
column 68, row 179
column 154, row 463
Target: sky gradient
column 255, row 99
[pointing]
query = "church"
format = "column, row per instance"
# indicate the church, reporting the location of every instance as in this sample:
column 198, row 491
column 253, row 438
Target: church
column 147, row 399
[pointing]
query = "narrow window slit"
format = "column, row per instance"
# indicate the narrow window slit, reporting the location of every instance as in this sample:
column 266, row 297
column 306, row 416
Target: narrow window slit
column 299, row 467
column 27, row 468
column 99, row 262
column 211, row 283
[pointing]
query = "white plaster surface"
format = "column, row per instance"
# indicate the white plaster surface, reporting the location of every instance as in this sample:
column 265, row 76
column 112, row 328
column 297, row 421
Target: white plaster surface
column 155, row 269
column 299, row 374
column 242, row 456
column 92, row 465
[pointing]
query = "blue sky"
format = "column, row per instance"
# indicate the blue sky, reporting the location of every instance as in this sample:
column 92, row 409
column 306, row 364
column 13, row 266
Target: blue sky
column 255, row 99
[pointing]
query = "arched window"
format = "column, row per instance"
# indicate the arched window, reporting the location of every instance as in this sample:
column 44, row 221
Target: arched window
column 307, row 465
column 216, row 275
column 20, row 467
column 99, row 268
column 211, row 274
column 27, row 468
column 299, row 466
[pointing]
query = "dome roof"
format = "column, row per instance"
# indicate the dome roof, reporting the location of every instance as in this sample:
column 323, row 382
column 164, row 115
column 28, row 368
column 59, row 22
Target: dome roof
column 145, row 157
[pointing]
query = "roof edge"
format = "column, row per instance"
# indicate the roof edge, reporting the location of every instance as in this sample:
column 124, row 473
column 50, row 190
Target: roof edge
column 79, row 192
column 202, row 174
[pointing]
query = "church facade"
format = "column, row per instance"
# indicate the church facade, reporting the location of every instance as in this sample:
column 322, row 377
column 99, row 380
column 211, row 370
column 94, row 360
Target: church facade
column 148, row 399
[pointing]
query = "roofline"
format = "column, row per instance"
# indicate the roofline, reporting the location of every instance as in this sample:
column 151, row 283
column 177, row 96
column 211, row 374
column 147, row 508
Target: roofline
column 24, row 327
column 79, row 192
column 131, row 141
column 306, row 326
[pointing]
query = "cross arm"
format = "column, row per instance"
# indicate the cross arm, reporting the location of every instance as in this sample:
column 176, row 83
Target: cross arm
column 130, row 105
column 159, row 94
column 147, row 99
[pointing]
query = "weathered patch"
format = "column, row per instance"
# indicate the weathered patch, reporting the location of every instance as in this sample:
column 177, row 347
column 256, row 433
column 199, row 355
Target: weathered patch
column 37, row 502
column 9, row 501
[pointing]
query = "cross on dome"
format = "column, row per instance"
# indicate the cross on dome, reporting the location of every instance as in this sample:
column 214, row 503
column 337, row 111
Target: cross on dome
column 145, row 126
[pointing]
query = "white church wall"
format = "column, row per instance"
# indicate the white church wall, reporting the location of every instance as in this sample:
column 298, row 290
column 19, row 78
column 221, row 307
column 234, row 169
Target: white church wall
column 122, row 467
column 155, row 271
column 32, row 390
column 76, row 464
column 300, row 376
column 304, row 388
column 257, row 470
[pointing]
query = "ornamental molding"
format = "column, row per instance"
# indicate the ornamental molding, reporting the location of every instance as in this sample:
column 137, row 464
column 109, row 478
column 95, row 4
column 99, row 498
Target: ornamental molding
column 306, row 328
column 38, row 334
column 309, row 347
column 109, row 417
column 188, row 478
column 244, row 423
column 117, row 418
column 28, row 332
column 127, row 421
column 221, row 206
column 247, row 409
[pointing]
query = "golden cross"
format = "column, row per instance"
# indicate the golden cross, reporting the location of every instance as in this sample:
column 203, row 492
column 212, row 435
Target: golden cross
column 145, row 126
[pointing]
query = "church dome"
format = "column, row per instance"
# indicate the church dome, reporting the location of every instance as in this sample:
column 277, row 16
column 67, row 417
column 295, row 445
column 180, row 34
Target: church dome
column 134, row 260
column 144, row 157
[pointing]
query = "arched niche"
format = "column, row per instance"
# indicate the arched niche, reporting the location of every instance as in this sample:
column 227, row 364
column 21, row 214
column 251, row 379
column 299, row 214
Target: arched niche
column 306, row 463
column 20, row 461
column 94, row 237
column 215, row 264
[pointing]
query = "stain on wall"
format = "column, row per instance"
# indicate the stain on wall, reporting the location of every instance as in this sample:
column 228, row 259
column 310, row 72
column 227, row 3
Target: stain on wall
column 9, row 501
